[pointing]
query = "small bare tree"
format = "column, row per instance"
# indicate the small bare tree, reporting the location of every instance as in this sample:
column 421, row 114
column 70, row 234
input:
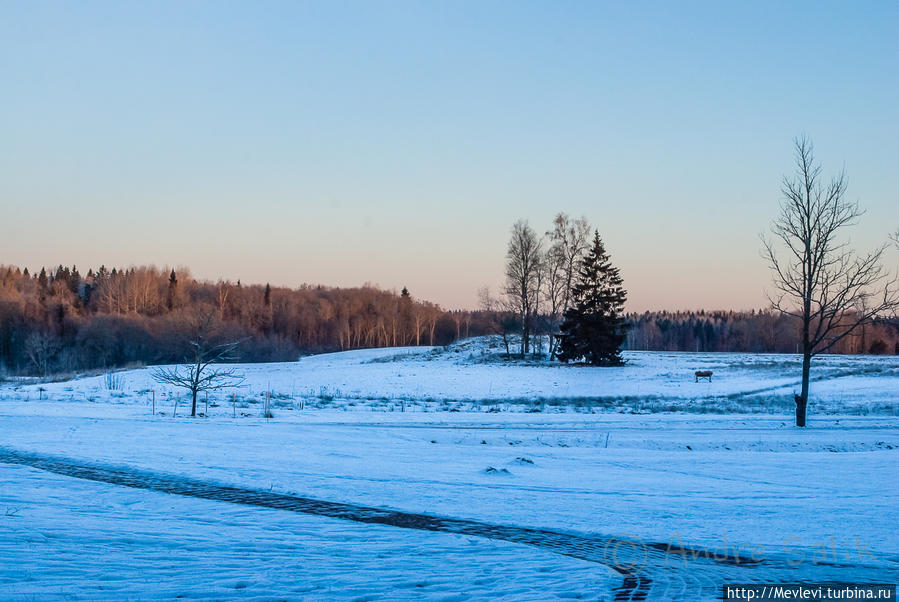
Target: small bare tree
column 818, row 277
column 200, row 371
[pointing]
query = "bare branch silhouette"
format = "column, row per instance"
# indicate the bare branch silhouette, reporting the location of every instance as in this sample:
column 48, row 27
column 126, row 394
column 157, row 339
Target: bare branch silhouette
column 201, row 372
column 818, row 277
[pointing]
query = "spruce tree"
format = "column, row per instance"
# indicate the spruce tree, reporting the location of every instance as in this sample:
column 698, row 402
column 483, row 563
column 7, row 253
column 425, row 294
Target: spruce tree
column 594, row 327
column 43, row 284
column 406, row 322
column 171, row 297
column 74, row 280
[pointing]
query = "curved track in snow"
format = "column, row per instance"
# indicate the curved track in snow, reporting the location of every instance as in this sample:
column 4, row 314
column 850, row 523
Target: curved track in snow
column 649, row 570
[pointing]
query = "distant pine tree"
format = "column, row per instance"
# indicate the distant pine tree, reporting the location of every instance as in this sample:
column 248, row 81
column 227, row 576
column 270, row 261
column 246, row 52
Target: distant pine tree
column 594, row 328
column 267, row 297
column 43, row 283
column 172, row 294
column 405, row 317
column 74, row 280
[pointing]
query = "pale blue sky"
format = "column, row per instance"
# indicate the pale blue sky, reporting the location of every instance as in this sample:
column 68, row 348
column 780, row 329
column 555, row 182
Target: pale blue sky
column 396, row 142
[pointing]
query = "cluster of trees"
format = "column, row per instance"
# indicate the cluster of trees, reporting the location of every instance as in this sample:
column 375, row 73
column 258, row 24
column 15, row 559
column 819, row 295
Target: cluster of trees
column 61, row 320
column 555, row 284
column 826, row 297
column 541, row 272
column 765, row 331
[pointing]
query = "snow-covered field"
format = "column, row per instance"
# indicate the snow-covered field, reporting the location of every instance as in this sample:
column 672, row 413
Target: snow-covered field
column 417, row 431
column 471, row 376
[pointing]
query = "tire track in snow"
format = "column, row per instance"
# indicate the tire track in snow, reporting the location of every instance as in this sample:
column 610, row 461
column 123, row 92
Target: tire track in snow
column 649, row 570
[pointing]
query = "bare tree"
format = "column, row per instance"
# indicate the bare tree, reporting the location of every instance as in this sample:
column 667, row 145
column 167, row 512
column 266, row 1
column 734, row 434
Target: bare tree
column 569, row 242
column 498, row 315
column 522, row 287
column 223, row 290
column 573, row 239
column 200, row 371
column 554, row 292
column 41, row 348
column 431, row 315
column 818, row 277
column 486, row 301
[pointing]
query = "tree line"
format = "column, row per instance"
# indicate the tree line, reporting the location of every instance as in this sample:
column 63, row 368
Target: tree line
column 61, row 320
column 757, row 331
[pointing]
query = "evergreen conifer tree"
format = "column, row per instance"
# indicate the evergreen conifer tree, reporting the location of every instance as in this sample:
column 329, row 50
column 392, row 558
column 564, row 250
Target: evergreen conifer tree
column 594, row 327
column 43, row 284
column 406, row 321
column 171, row 298
column 74, row 280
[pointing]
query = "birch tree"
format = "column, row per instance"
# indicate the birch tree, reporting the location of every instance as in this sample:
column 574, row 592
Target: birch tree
column 569, row 242
column 522, row 287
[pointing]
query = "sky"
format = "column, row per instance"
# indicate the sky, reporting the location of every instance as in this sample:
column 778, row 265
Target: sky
column 395, row 143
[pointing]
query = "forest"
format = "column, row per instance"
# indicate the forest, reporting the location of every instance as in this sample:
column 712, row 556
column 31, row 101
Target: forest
column 62, row 321
column 759, row 331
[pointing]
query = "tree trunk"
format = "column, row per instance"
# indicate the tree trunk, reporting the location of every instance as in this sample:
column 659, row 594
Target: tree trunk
column 525, row 334
column 193, row 406
column 802, row 398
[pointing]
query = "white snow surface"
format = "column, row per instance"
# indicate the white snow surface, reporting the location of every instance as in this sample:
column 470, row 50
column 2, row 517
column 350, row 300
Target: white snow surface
column 473, row 372
column 748, row 482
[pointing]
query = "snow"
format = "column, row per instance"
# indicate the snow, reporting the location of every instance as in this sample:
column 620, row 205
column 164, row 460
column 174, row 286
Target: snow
column 471, row 372
column 746, row 481
column 133, row 544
